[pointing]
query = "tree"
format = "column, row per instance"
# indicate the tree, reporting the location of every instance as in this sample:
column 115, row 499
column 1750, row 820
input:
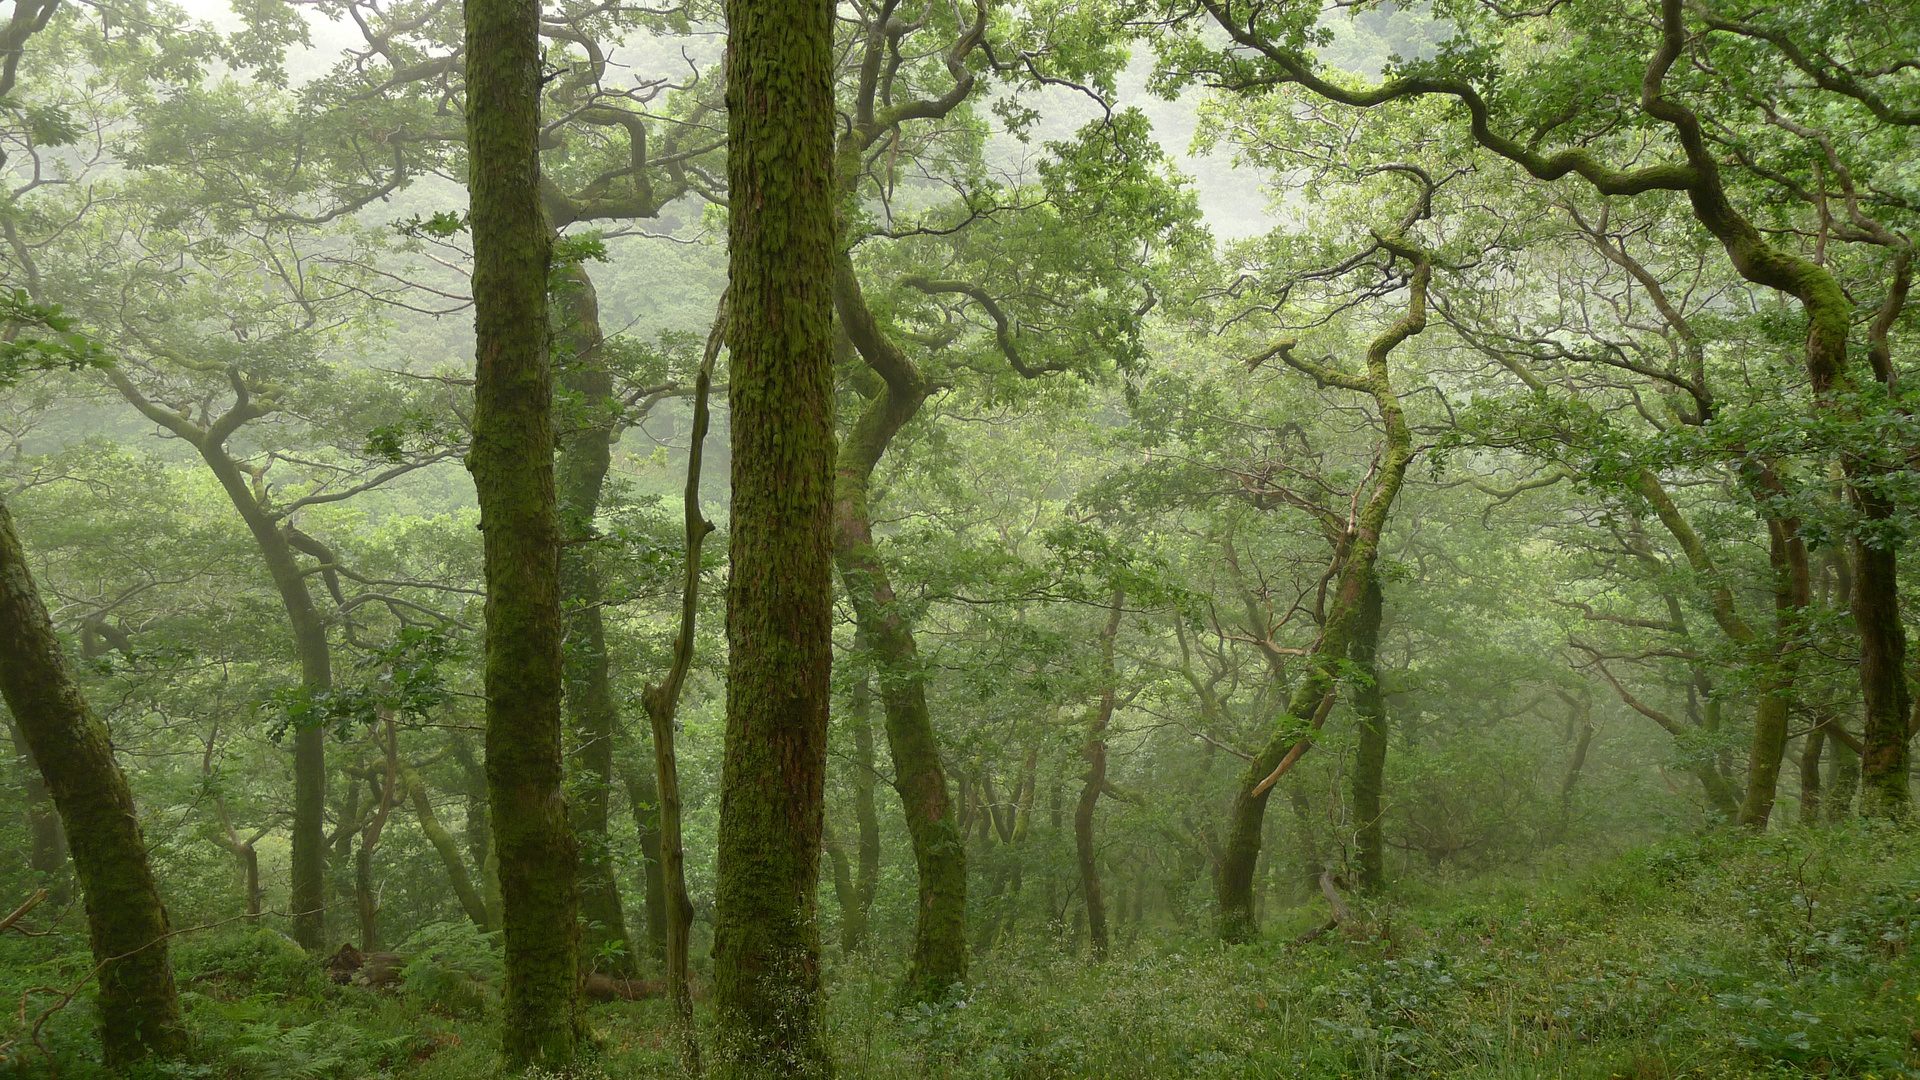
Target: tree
column 126, row 923
column 512, row 466
column 781, row 236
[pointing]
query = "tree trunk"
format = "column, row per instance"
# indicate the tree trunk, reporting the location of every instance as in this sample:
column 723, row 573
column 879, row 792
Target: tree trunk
column 471, row 901
column 512, row 466
column 1810, row 754
column 780, row 117
column 1575, row 764
column 46, row 839
column 1370, row 758
column 1883, row 680
column 1308, row 705
column 643, row 798
column 126, row 924
column 866, row 875
column 1095, row 751
column 308, row 864
column 586, row 452
column 1792, row 594
column 1843, row 784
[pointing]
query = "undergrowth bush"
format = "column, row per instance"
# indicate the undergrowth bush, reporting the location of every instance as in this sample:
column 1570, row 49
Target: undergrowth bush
column 1728, row 956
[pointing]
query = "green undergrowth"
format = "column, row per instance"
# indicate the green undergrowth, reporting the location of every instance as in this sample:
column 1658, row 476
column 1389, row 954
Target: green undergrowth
column 1729, row 956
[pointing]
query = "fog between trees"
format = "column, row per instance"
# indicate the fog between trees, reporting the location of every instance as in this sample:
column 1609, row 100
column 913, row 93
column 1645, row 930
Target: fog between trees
column 1066, row 539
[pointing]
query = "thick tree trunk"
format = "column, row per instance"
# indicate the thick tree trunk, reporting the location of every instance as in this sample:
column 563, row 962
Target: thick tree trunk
column 586, row 452
column 1370, row 757
column 512, row 466
column 126, row 924
column 780, row 116
column 1086, row 855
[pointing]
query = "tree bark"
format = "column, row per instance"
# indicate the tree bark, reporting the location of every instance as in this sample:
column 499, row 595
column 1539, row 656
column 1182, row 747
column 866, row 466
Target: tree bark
column 1810, row 754
column 662, row 702
column 1843, row 784
column 866, row 872
column 1793, row 593
column 443, row 843
column 308, row 864
column 46, row 838
column 1086, row 855
column 126, row 923
column 1370, row 758
column 1313, row 697
column 512, row 465
column 643, row 798
column 780, row 123
column 586, row 453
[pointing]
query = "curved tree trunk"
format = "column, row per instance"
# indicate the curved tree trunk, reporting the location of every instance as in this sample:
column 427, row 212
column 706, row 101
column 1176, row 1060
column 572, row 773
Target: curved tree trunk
column 780, row 117
column 939, row 850
column 1370, row 758
column 308, row 864
column 126, row 923
column 662, row 701
column 1313, row 697
column 448, row 850
column 512, row 465
column 1086, row 855
column 592, row 715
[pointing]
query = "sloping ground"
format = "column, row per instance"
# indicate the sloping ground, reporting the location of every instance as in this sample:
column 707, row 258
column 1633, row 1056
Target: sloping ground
column 1731, row 956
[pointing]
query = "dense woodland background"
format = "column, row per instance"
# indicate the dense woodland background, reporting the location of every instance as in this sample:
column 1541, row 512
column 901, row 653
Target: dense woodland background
column 1369, row 541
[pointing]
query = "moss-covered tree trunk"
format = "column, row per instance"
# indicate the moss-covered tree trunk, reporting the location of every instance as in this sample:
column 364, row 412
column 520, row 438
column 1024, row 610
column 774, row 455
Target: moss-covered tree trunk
column 512, row 466
column 939, row 850
column 589, row 428
column 1370, row 756
column 1792, row 593
column 780, row 596
column 46, row 839
column 443, row 843
column 1086, row 853
column 866, row 816
column 138, row 1006
column 1312, row 698
column 1811, row 752
column 643, row 799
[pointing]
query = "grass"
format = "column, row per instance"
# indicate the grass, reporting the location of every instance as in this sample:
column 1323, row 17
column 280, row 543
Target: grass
column 1729, row 956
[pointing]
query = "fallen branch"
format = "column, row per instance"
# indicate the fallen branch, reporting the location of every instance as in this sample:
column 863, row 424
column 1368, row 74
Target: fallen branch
column 30, row 903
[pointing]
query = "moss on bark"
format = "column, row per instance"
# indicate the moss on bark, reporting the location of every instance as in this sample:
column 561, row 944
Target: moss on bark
column 780, row 118
column 126, row 924
column 512, row 465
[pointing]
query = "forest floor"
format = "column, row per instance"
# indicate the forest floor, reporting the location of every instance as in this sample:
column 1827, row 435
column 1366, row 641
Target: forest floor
column 1727, row 956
